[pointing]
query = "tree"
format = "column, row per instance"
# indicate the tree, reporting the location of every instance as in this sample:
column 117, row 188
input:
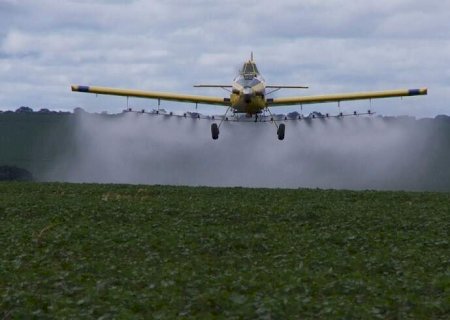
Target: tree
column 24, row 110
column 78, row 110
column 11, row 173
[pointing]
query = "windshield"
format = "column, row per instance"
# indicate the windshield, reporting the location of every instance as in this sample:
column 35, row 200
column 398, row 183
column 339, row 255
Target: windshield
column 249, row 70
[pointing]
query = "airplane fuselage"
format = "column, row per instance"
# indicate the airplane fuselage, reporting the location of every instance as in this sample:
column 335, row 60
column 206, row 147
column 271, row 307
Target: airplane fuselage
column 248, row 93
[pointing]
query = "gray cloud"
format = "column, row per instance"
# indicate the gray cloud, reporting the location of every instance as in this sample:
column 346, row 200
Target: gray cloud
column 170, row 45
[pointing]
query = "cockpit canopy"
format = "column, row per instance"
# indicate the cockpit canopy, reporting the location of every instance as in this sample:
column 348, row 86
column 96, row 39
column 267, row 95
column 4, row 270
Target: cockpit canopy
column 249, row 70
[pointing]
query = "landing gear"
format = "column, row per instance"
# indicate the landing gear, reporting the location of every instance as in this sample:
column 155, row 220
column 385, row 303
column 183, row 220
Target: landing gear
column 281, row 128
column 280, row 131
column 215, row 127
column 215, row 131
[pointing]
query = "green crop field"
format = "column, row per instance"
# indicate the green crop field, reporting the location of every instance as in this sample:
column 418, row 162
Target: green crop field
column 119, row 251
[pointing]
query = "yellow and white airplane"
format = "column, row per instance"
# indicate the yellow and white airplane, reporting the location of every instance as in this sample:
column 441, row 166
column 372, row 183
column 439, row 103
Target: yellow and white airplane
column 248, row 96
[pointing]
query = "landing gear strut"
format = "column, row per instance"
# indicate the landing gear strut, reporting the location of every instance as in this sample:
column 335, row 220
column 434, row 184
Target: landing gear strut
column 215, row 127
column 281, row 128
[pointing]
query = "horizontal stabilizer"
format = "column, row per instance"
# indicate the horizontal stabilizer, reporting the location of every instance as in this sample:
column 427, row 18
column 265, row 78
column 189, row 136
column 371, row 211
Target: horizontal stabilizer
column 286, row 87
column 212, row 86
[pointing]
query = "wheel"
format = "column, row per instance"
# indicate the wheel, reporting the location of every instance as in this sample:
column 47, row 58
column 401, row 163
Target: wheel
column 215, row 131
column 280, row 132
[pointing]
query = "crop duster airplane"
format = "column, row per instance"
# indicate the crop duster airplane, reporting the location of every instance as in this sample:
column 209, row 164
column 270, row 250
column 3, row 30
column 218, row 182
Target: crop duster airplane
column 248, row 96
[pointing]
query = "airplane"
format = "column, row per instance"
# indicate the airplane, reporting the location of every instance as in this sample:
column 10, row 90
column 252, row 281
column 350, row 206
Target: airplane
column 248, row 95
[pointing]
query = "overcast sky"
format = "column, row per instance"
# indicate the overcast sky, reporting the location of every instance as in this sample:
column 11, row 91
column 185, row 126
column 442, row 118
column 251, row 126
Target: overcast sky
column 332, row 46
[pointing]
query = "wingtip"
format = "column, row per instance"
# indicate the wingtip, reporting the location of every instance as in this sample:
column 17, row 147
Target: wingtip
column 418, row 92
column 80, row 88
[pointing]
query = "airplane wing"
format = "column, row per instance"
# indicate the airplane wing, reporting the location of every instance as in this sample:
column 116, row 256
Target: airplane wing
column 345, row 97
column 153, row 95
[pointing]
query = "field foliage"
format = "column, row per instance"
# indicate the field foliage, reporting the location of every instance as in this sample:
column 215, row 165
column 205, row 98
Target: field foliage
column 119, row 251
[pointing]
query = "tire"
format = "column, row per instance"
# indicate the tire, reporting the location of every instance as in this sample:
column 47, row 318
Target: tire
column 281, row 130
column 215, row 131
